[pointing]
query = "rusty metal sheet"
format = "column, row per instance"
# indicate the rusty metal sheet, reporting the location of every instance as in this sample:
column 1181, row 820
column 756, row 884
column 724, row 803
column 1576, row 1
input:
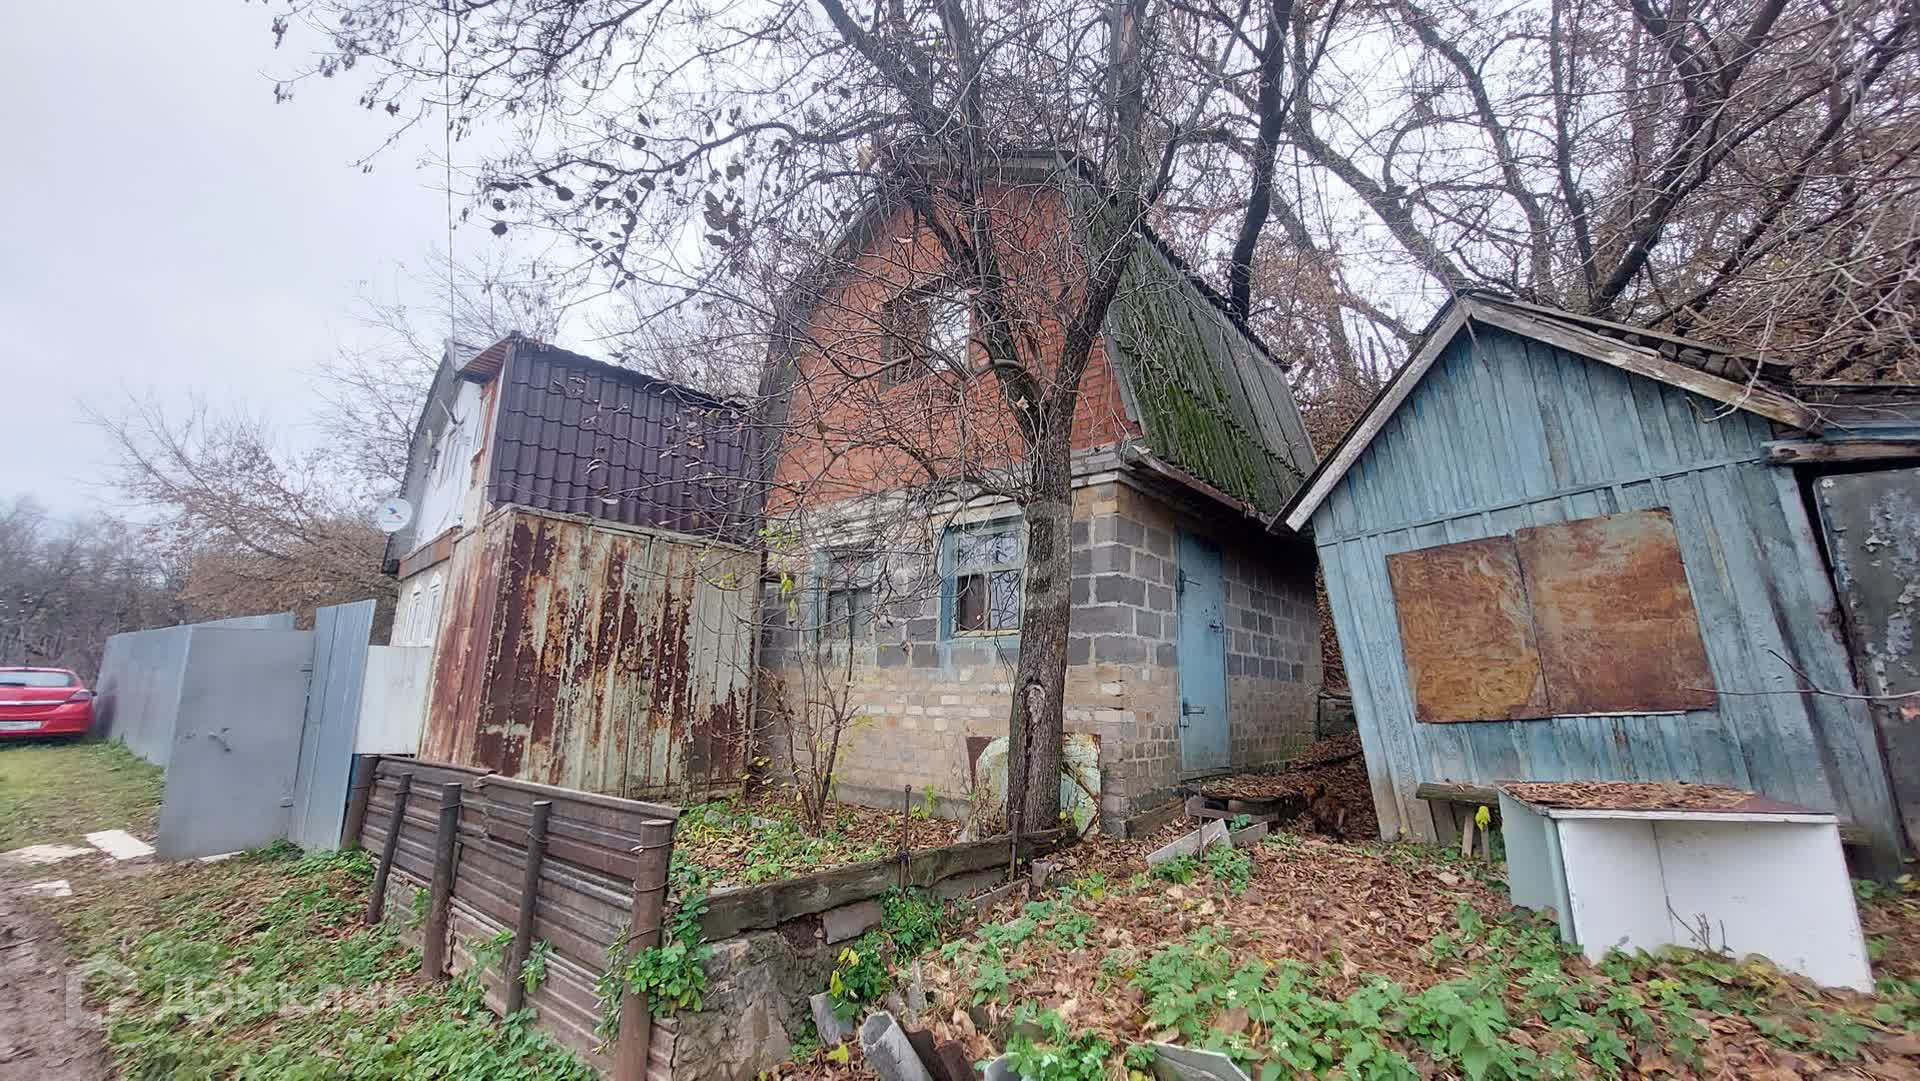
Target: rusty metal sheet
column 596, row 658
column 1466, row 633
column 1614, row 617
column 1872, row 526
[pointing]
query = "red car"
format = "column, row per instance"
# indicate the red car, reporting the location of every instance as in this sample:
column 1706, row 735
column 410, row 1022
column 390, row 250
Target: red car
column 43, row 702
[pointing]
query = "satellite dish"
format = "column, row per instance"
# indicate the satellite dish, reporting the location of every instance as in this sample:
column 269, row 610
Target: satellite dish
column 393, row 515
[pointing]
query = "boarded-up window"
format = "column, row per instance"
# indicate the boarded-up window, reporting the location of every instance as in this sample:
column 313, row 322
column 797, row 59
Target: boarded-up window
column 1584, row 617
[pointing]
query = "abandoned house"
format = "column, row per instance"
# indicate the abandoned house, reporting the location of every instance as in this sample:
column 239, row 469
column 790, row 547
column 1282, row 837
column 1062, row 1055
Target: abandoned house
column 578, row 562
column 1557, row 548
column 1193, row 645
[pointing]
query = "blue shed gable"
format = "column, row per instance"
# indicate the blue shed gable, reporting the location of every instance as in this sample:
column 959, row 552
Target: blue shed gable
column 1502, row 419
column 1504, row 432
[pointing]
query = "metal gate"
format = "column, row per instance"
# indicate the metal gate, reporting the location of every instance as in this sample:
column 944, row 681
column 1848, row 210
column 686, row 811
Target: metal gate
column 1872, row 526
column 339, row 668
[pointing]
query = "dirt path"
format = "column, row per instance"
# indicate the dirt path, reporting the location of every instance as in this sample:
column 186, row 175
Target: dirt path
column 36, row 1040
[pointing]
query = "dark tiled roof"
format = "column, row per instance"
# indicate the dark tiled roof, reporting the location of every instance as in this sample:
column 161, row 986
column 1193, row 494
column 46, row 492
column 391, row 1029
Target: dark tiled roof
column 579, row 436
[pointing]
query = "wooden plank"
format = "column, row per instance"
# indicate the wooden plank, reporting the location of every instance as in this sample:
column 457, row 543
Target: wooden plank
column 732, row 911
column 1614, row 616
column 377, row 902
column 1796, row 452
column 1752, row 397
column 433, row 955
column 1485, row 795
column 1466, row 632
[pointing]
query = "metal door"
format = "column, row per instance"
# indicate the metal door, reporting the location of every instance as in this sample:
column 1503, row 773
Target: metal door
column 340, row 635
column 1204, row 745
column 1872, row 526
column 236, row 746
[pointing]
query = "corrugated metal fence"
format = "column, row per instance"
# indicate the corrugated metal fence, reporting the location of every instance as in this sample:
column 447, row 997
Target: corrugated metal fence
column 597, row 864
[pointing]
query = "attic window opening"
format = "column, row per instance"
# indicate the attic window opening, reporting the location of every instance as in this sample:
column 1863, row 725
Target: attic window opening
column 923, row 330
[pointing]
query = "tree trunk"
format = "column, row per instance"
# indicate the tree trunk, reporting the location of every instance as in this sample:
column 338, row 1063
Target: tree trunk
column 1039, row 685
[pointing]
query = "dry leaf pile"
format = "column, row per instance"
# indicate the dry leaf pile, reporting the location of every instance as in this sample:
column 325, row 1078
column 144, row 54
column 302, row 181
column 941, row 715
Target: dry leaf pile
column 1355, row 914
column 1323, row 789
column 1632, row 796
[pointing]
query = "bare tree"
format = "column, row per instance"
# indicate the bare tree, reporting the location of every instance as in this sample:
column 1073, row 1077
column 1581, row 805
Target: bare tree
column 258, row 527
column 66, row 586
column 370, row 394
column 1730, row 168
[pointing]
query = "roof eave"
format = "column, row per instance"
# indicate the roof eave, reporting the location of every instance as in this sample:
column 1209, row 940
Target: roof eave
column 1749, row 396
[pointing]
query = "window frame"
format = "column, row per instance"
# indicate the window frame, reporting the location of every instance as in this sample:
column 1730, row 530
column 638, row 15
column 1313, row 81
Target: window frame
column 830, row 578
column 951, row 573
column 909, row 353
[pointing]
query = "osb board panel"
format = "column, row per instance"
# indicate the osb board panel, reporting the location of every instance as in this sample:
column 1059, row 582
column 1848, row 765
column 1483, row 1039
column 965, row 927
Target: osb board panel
column 1613, row 616
column 1467, row 633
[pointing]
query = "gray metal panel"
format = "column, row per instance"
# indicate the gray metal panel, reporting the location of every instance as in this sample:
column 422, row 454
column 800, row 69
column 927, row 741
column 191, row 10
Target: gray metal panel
column 139, row 690
column 1504, row 434
column 340, row 635
column 139, row 685
column 237, row 745
column 1872, row 526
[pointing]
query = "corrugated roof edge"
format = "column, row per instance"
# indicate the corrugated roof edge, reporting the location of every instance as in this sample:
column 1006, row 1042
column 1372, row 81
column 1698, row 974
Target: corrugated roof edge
column 1481, row 306
column 631, row 376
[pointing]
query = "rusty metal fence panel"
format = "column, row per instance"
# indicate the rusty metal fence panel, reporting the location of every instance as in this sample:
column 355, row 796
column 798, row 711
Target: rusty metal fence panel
column 602, row 659
column 585, row 894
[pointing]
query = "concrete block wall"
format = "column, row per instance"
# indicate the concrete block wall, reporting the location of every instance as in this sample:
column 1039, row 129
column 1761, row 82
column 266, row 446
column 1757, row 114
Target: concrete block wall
column 921, row 696
column 1273, row 656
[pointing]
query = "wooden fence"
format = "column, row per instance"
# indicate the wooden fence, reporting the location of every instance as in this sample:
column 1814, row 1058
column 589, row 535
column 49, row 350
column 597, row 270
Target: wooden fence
column 465, row 855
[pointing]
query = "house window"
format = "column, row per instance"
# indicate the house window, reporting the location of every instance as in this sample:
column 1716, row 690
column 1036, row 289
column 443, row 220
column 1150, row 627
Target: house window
column 922, row 330
column 987, row 567
column 846, row 596
column 1575, row 619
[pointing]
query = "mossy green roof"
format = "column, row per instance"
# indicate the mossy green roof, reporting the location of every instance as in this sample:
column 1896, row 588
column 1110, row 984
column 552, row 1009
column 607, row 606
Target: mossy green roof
column 1210, row 400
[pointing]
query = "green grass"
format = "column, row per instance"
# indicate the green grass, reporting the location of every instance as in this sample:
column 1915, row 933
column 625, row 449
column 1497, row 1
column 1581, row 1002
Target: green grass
column 60, row 792
column 260, row 968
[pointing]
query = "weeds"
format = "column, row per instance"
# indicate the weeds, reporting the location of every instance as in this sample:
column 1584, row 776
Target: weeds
column 1042, row 1048
column 860, row 978
column 258, row 968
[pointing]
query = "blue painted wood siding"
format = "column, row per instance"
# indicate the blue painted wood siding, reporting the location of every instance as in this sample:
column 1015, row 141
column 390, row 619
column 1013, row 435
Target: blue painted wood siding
column 1505, row 432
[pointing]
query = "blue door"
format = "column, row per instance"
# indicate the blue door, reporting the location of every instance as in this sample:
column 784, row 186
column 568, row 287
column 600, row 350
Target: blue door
column 1202, row 658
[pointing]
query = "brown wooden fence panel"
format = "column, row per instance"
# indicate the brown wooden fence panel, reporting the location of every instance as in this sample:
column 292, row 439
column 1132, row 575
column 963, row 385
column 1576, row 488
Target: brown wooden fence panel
column 584, row 892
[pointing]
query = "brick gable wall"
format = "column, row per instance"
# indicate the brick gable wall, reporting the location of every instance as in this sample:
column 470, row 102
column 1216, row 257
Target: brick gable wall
column 848, row 433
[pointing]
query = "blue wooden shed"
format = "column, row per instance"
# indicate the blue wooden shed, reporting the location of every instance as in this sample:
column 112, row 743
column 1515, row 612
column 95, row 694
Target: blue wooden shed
column 1557, row 548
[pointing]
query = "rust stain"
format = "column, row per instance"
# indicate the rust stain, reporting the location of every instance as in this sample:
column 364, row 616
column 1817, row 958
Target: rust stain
column 1466, row 633
column 1614, row 616
column 583, row 657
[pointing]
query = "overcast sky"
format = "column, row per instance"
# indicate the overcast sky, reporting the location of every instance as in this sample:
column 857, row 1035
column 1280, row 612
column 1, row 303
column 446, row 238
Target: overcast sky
column 168, row 227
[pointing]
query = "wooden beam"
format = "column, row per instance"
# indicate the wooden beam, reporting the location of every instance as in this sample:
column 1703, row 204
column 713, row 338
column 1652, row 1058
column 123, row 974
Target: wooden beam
column 529, row 897
column 1486, row 795
column 651, row 859
column 434, row 951
column 730, row 912
column 1795, row 452
column 377, row 903
column 1749, row 396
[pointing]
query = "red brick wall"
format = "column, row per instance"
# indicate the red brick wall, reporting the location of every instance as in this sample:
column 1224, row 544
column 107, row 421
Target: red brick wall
column 849, row 434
